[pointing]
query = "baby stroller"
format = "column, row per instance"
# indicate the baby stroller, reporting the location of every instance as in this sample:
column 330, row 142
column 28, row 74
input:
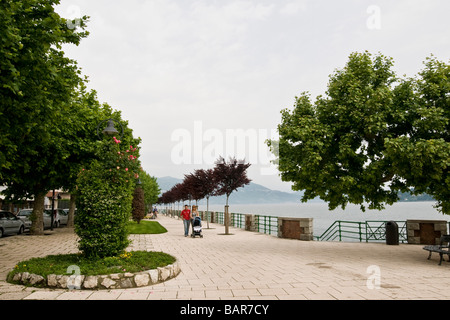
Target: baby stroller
column 197, row 227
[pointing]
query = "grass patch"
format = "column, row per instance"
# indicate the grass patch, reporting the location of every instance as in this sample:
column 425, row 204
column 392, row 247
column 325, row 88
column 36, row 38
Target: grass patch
column 134, row 261
column 145, row 227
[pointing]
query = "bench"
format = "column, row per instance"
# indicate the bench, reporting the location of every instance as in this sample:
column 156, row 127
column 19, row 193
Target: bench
column 441, row 248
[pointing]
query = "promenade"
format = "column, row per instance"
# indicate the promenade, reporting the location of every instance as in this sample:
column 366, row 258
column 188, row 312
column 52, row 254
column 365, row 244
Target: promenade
column 248, row 266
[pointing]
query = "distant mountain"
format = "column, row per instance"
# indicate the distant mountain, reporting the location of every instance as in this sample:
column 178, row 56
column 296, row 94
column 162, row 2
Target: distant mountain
column 250, row 194
column 254, row 193
column 406, row 196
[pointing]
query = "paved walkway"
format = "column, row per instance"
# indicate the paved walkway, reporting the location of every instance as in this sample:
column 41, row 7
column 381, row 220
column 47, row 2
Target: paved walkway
column 249, row 265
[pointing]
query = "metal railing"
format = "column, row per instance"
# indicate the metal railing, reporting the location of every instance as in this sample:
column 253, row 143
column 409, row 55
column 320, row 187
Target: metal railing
column 266, row 224
column 363, row 231
column 238, row 220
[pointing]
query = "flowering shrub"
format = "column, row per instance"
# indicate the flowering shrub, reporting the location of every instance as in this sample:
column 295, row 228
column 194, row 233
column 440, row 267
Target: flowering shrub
column 104, row 196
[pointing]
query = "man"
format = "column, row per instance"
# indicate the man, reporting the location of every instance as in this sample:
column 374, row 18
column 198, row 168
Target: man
column 186, row 216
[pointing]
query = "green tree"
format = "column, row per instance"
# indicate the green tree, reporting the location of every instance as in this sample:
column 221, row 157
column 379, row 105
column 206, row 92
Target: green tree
column 421, row 156
column 38, row 83
column 83, row 118
column 35, row 76
column 151, row 189
column 359, row 143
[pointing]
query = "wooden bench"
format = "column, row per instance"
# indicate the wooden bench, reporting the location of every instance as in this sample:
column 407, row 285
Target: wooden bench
column 442, row 248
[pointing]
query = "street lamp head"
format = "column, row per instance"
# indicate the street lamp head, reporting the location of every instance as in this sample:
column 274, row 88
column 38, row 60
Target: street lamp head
column 110, row 130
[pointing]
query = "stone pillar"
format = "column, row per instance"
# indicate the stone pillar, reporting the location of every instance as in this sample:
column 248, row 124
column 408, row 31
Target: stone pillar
column 250, row 222
column 425, row 231
column 295, row 228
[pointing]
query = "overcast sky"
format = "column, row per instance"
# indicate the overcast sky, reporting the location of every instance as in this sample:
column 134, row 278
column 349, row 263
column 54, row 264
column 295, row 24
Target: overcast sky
column 198, row 79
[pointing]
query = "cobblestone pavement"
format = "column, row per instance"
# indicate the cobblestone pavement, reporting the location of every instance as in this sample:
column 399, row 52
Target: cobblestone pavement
column 247, row 265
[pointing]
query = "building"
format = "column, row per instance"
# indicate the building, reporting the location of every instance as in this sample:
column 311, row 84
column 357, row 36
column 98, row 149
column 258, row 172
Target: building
column 61, row 201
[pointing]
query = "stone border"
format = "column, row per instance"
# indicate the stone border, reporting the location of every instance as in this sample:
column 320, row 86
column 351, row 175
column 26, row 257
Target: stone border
column 109, row 281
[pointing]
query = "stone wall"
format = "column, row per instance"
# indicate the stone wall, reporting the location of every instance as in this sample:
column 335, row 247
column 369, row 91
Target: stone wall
column 296, row 228
column 110, row 281
column 425, row 231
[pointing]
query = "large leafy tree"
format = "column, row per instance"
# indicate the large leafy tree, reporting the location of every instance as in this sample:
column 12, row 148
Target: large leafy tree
column 37, row 85
column 371, row 136
column 421, row 156
column 36, row 78
column 82, row 133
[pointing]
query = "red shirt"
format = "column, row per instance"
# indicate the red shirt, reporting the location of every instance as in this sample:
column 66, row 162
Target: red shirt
column 186, row 214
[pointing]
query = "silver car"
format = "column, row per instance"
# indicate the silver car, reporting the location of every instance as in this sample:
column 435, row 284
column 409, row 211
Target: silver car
column 48, row 219
column 24, row 215
column 63, row 216
column 10, row 224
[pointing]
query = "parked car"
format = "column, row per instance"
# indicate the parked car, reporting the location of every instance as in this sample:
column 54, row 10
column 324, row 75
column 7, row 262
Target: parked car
column 10, row 224
column 66, row 212
column 63, row 216
column 24, row 215
column 48, row 218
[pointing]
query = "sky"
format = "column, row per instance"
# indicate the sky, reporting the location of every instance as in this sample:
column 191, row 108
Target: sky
column 201, row 79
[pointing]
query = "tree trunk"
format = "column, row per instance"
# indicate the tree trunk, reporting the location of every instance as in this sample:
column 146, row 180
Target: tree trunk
column 226, row 218
column 71, row 216
column 37, row 226
column 207, row 212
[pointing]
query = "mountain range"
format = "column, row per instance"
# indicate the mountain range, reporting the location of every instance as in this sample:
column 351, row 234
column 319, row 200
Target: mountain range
column 249, row 194
column 254, row 193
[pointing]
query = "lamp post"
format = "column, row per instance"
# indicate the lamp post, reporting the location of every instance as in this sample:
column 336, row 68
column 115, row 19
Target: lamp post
column 110, row 129
column 53, row 211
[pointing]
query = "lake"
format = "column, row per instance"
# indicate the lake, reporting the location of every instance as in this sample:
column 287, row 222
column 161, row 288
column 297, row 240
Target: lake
column 323, row 218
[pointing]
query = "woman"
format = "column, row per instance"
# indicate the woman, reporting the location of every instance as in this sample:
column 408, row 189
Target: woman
column 193, row 215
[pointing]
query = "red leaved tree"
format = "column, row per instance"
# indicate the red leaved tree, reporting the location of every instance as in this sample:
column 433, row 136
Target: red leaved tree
column 205, row 186
column 229, row 176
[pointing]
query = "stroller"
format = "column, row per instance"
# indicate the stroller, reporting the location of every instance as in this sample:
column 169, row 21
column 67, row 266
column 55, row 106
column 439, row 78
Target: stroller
column 197, row 227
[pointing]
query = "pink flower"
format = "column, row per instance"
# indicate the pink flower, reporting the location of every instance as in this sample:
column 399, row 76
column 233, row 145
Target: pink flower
column 126, row 169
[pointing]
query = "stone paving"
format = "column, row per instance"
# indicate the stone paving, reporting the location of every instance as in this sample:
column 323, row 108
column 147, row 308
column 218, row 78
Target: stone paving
column 248, row 265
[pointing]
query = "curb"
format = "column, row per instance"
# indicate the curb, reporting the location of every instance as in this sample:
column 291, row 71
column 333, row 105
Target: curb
column 110, row 281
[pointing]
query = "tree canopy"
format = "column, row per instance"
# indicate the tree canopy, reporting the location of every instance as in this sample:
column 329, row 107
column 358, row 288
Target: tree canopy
column 49, row 119
column 371, row 136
